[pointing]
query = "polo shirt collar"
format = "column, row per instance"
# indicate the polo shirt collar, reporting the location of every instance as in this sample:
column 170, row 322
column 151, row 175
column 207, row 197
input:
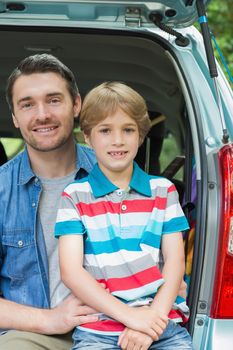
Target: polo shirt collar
column 101, row 185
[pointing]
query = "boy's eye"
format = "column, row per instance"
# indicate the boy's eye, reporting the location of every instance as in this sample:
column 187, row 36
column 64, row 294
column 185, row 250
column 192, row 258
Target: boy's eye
column 129, row 130
column 104, row 130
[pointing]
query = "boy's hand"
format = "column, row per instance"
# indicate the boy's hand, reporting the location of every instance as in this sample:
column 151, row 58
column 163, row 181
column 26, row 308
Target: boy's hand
column 134, row 340
column 146, row 320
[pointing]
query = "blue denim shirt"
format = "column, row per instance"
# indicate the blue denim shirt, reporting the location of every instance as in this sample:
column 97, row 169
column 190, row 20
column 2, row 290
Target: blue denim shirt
column 23, row 258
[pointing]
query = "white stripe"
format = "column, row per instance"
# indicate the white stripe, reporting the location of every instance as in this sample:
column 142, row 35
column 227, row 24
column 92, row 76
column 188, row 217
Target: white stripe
column 77, row 187
column 118, row 258
column 134, row 293
column 67, row 215
column 174, row 211
column 160, row 182
column 127, row 219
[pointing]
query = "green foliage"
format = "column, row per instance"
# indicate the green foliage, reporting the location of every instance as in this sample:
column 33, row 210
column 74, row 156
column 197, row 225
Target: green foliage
column 220, row 18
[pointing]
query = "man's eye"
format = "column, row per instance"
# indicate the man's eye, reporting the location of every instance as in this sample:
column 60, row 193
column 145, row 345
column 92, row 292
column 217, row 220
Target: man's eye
column 54, row 100
column 26, row 105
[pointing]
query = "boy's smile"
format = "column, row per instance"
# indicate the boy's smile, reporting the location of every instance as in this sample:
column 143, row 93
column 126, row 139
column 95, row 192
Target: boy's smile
column 115, row 140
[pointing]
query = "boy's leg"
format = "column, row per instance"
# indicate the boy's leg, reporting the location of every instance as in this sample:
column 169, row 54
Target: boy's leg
column 91, row 341
column 15, row 340
column 174, row 337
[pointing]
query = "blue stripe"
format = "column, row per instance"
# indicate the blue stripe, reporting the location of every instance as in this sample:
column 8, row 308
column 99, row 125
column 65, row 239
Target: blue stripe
column 151, row 239
column 176, row 225
column 112, row 246
column 108, row 233
column 69, row 227
column 154, row 226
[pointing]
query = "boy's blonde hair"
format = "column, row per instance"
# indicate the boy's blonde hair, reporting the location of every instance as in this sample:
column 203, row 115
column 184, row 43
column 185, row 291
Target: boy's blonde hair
column 105, row 99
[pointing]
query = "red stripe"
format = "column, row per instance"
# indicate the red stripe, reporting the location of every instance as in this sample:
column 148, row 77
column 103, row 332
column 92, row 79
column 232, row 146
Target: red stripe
column 133, row 206
column 135, row 281
column 65, row 194
column 173, row 314
column 172, row 188
column 105, row 326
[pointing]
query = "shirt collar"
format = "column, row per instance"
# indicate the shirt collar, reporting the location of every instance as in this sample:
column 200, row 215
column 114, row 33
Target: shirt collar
column 26, row 172
column 82, row 161
column 102, row 186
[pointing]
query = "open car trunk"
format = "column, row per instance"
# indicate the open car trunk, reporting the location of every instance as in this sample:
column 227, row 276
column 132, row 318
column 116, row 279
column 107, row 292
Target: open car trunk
column 144, row 62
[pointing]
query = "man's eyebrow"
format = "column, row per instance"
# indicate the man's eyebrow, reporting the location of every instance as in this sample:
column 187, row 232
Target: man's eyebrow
column 51, row 94
column 28, row 98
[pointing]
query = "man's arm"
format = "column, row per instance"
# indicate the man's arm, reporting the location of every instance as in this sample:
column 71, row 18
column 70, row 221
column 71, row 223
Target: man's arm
column 59, row 320
column 173, row 272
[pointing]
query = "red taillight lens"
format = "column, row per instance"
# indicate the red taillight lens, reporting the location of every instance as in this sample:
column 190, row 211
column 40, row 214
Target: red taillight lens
column 222, row 304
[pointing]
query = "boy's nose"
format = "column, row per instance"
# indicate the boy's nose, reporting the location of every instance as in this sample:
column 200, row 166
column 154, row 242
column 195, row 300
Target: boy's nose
column 118, row 138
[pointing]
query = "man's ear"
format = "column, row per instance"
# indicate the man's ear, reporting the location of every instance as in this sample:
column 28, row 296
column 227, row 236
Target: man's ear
column 15, row 121
column 77, row 106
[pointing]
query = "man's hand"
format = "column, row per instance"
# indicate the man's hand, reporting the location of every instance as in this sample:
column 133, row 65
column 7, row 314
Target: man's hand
column 134, row 340
column 69, row 314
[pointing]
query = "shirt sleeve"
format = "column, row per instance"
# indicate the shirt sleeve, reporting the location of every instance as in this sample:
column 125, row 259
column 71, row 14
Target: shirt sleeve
column 68, row 219
column 174, row 218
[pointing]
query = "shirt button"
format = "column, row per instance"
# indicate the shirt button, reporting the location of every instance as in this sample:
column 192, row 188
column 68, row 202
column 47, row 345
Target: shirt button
column 33, row 204
column 124, row 207
column 36, row 180
column 119, row 193
column 20, row 243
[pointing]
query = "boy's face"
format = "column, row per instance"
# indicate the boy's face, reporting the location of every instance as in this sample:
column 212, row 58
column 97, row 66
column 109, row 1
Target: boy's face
column 115, row 140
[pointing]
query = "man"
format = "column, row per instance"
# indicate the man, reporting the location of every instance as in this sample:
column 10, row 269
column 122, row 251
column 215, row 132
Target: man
column 44, row 100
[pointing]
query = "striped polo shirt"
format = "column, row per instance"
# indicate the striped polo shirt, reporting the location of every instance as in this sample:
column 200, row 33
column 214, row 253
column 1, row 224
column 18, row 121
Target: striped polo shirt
column 122, row 232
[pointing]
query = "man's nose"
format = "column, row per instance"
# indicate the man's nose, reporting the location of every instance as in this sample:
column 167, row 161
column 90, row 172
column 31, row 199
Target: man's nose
column 42, row 111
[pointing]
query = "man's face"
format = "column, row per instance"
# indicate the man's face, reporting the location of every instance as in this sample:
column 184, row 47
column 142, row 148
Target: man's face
column 44, row 111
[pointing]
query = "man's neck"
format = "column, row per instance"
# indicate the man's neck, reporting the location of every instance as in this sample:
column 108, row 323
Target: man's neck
column 57, row 163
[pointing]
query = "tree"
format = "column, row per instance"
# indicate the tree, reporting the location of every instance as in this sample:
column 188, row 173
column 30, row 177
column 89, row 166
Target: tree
column 220, row 18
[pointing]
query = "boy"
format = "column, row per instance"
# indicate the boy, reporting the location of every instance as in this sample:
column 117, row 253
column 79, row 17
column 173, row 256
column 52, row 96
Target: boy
column 123, row 220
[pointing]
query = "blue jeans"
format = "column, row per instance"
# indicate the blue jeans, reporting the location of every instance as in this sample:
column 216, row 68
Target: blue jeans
column 174, row 337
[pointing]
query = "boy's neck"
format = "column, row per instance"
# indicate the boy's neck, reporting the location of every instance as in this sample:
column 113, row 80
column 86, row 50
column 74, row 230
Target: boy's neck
column 120, row 179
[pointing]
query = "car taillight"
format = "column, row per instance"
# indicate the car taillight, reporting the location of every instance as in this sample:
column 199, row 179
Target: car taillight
column 222, row 304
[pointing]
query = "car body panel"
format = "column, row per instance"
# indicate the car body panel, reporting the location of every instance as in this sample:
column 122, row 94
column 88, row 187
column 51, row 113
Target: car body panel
column 179, row 13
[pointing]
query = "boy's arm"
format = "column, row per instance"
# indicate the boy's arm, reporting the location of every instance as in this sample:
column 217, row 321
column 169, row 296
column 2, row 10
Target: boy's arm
column 85, row 287
column 59, row 320
column 173, row 272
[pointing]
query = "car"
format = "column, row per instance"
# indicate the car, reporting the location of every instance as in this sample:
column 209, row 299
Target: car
column 153, row 47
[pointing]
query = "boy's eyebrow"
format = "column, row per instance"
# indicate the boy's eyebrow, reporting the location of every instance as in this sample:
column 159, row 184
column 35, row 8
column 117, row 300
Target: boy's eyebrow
column 126, row 124
column 28, row 98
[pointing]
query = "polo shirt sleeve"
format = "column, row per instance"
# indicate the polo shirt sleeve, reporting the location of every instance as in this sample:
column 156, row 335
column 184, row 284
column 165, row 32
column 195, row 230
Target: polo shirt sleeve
column 174, row 218
column 68, row 221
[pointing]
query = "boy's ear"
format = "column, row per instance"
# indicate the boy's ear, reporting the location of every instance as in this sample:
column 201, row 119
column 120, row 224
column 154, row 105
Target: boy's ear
column 87, row 140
